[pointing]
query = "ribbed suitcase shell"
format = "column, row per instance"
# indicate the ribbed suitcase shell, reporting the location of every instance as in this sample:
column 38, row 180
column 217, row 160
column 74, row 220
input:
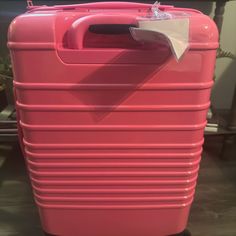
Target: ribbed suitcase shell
column 111, row 130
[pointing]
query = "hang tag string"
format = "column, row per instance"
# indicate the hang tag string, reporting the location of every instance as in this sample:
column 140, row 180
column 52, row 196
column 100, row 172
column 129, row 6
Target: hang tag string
column 157, row 14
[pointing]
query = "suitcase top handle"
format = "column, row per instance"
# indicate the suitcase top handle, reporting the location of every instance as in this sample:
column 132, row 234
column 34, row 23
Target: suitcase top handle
column 97, row 5
column 80, row 26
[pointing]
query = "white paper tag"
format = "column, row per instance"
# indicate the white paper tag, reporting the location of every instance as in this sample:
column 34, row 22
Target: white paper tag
column 174, row 31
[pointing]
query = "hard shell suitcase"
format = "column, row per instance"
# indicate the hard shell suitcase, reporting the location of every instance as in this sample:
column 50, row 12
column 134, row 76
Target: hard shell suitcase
column 112, row 130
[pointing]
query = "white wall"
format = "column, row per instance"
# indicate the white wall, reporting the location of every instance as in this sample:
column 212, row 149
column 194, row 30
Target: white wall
column 226, row 68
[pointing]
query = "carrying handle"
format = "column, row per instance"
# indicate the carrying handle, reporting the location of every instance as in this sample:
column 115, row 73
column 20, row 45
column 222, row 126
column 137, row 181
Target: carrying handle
column 122, row 5
column 79, row 27
column 115, row 5
column 104, row 5
column 97, row 6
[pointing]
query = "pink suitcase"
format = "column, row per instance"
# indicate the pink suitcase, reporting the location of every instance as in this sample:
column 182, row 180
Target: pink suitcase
column 112, row 130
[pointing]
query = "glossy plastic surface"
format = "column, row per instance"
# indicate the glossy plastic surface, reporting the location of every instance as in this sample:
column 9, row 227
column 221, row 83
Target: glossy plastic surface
column 111, row 130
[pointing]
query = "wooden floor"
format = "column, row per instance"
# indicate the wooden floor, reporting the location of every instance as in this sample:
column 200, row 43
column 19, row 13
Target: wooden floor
column 213, row 211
